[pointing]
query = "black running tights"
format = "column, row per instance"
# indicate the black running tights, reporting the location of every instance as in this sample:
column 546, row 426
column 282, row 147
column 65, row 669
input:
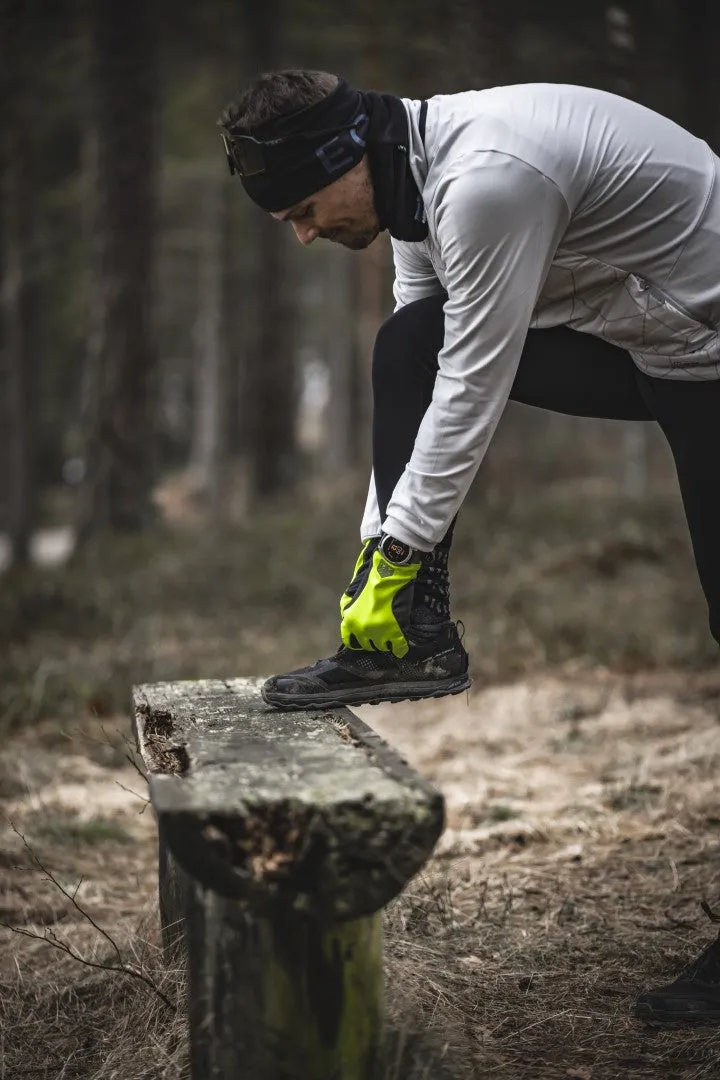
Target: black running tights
column 566, row 372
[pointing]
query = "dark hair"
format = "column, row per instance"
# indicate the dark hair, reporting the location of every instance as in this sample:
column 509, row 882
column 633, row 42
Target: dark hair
column 275, row 93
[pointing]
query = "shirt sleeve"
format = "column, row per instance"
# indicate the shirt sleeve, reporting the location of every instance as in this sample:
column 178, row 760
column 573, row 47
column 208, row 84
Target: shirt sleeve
column 415, row 276
column 498, row 222
column 370, row 524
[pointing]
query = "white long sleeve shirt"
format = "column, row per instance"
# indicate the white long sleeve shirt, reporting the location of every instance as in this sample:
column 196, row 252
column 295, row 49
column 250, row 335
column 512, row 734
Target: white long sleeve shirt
column 547, row 205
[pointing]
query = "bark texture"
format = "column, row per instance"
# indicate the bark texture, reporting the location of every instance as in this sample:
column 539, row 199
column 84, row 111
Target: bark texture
column 699, row 44
column 485, row 31
column 208, row 445
column 270, row 406
column 15, row 202
column 121, row 366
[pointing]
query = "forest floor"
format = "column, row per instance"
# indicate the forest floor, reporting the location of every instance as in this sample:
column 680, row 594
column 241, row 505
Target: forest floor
column 583, row 829
column 579, row 775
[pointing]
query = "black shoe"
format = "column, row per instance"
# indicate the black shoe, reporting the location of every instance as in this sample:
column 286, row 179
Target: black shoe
column 692, row 998
column 437, row 667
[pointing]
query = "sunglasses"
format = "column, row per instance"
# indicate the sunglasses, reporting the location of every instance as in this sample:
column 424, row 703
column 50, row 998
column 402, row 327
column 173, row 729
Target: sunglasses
column 246, row 155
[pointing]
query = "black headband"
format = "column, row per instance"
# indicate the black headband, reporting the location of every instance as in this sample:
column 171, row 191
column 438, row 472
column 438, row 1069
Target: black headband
column 292, row 156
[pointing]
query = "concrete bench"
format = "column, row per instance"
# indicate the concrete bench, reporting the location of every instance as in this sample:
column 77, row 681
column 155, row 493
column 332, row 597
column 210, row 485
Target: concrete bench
column 282, row 836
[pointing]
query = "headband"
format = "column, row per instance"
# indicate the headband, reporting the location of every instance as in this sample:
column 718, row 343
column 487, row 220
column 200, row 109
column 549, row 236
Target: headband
column 294, row 155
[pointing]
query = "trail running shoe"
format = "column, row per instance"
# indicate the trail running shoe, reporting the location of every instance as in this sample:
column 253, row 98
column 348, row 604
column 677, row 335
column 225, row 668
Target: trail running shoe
column 436, row 667
column 693, row 997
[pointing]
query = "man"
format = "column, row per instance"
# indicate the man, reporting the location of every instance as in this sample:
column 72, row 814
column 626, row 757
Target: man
column 554, row 245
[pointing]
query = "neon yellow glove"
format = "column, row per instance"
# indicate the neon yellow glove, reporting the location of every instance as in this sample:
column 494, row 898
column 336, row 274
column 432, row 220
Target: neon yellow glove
column 378, row 615
column 362, row 568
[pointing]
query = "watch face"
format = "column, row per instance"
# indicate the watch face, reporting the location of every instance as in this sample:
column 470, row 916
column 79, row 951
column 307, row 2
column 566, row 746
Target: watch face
column 395, row 551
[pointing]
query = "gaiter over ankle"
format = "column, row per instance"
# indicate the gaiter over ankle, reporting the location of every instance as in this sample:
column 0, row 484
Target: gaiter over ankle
column 431, row 602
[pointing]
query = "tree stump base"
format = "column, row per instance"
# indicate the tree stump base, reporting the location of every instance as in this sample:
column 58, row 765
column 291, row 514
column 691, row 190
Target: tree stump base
column 282, row 836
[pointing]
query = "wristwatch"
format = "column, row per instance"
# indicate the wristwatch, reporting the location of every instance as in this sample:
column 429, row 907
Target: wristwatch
column 397, row 552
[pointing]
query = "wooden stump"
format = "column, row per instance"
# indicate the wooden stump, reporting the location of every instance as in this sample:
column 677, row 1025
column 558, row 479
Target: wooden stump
column 282, row 837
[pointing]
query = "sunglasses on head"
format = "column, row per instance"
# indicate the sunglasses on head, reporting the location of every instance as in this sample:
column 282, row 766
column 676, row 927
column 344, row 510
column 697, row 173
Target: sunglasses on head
column 246, row 155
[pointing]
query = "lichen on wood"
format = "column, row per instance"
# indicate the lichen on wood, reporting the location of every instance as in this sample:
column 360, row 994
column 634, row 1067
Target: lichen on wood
column 310, row 811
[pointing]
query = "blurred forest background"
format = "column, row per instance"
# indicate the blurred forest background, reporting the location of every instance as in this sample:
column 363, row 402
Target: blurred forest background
column 184, row 398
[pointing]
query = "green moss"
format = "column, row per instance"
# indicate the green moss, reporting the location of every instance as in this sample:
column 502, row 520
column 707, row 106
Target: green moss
column 324, row 997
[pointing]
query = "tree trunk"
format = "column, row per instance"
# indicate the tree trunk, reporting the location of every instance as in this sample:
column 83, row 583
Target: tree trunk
column 373, row 304
column 239, row 312
column 270, row 405
column 271, row 389
column 121, row 372
column 14, row 277
column 485, row 35
column 208, row 440
column 621, row 25
column 699, row 46
column 621, row 50
column 372, row 273
column 348, row 406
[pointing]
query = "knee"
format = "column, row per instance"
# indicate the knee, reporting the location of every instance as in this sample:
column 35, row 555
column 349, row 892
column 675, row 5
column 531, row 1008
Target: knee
column 412, row 336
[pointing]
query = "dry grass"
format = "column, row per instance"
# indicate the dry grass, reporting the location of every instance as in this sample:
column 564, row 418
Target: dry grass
column 528, row 940
column 73, row 1022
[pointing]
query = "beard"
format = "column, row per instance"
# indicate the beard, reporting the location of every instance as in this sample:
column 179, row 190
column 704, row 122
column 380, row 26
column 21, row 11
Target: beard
column 351, row 239
column 361, row 226
column 360, row 242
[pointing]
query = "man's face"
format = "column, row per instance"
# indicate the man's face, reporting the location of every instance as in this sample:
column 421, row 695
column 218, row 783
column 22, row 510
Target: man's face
column 343, row 212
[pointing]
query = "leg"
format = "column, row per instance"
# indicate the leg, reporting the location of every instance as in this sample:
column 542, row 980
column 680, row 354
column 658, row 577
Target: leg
column 566, row 372
column 403, row 376
column 689, row 415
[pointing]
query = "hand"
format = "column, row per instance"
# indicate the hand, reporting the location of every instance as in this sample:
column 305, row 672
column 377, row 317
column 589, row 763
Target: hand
column 360, row 573
column 377, row 616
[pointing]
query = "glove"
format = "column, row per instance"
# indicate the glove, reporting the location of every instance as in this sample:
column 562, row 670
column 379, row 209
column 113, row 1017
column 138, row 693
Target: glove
column 360, row 573
column 377, row 616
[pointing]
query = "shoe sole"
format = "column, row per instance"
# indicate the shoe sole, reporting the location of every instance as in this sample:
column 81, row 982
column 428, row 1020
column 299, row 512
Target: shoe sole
column 666, row 1018
column 367, row 695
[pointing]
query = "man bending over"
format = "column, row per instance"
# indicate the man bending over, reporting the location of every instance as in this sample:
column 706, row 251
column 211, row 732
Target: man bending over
column 554, row 245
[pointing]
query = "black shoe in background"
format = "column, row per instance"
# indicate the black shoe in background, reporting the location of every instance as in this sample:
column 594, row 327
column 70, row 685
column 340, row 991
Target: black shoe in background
column 692, row 998
column 435, row 665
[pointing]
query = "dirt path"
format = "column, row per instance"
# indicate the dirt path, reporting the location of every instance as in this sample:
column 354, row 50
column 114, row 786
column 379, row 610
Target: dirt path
column 583, row 829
